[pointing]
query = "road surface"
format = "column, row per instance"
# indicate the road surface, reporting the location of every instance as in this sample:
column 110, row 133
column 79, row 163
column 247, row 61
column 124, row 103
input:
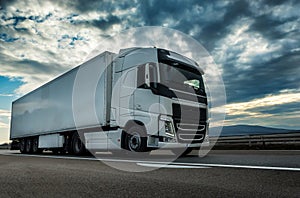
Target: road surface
column 219, row 174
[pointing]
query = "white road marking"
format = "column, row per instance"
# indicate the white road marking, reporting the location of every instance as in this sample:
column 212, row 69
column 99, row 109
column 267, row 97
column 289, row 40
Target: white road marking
column 160, row 163
column 50, row 156
column 163, row 165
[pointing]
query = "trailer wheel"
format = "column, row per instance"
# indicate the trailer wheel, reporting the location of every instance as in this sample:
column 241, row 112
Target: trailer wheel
column 136, row 139
column 55, row 151
column 77, row 145
column 28, row 145
column 22, row 145
column 35, row 145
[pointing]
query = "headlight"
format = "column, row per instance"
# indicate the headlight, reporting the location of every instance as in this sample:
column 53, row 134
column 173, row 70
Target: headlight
column 169, row 129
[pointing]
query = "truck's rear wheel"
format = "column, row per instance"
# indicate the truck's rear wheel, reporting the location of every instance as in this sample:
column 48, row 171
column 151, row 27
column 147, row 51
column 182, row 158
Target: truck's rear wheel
column 136, row 139
column 28, row 145
column 78, row 147
column 22, row 145
column 35, row 145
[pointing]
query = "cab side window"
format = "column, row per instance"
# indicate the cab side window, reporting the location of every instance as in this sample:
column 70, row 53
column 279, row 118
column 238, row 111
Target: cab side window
column 141, row 76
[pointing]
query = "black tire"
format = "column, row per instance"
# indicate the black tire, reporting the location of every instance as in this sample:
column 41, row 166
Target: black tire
column 22, row 146
column 78, row 147
column 28, row 145
column 62, row 151
column 136, row 139
column 68, row 146
column 55, row 151
column 35, row 146
column 181, row 152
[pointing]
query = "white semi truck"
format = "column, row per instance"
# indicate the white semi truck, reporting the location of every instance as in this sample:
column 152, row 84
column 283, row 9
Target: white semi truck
column 142, row 98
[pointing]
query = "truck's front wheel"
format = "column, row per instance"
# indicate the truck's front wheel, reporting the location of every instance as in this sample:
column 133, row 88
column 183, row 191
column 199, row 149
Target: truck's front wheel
column 136, row 139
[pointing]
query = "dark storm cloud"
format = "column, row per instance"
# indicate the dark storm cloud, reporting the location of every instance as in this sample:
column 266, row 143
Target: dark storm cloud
column 155, row 12
column 213, row 32
column 6, row 38
column 101, row 6
column 104, row 24
column 5, row 3
column 31, row 67
column 275, row 2
column 263, row 78
column 216, row 20
column 213, row 24
column 267, row 73
column 267, row 25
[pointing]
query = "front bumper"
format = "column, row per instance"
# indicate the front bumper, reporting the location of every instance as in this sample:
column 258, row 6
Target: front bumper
column 169, row 145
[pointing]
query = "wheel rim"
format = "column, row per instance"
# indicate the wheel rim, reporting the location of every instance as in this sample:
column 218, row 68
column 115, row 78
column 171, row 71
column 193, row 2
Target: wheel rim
column 28, row 145
column 35, row 145
column 78, row 145
column 134, row 141
column 22, row 145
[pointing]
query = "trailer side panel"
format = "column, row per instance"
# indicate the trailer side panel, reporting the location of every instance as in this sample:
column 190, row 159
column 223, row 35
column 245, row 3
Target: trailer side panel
column 48, row 109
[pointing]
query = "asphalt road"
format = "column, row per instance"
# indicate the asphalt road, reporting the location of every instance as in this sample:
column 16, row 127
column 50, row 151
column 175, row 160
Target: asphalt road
column 220, row 174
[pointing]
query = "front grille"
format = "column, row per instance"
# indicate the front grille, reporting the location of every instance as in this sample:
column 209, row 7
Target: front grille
column 191, row 97
column 189, row 113
column 190, row 133
column 190, row 123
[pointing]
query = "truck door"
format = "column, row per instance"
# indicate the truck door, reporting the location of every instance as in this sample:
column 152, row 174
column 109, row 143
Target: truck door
column 127, row 88
column 146, row 104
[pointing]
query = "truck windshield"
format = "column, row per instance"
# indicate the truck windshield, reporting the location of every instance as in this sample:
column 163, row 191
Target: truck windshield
column 178, row 78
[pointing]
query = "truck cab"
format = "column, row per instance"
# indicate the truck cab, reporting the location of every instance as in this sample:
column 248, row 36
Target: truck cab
column 158, row 100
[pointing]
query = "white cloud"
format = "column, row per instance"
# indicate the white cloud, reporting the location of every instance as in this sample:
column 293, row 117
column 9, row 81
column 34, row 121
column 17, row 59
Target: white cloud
column 46, row 44
column 4, row 125
column 248, row 112
column 287, row 120
column 44, row 41
column 4, row 113
column 243, row 108
column 245, row 47
column 6, row 95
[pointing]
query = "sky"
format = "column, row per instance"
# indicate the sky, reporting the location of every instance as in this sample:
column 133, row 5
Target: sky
column 255, row 44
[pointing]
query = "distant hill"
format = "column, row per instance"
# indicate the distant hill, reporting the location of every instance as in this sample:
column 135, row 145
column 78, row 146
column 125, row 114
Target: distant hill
column 252, row 130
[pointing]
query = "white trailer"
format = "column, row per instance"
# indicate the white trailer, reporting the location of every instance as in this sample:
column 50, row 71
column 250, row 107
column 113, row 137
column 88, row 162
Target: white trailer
column 126, row 101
